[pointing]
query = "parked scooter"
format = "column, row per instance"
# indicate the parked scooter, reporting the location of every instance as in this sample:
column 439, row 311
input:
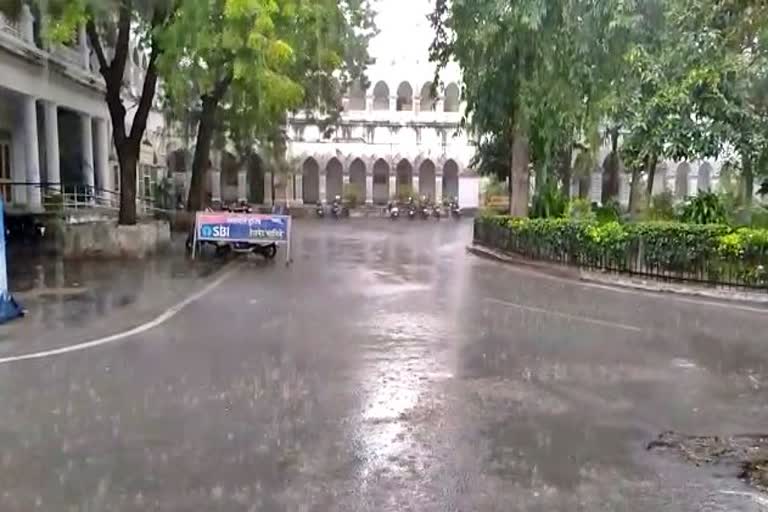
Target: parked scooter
column 424, row 208
column 455, row 211
column 437, row 211
column 411, row 209
column 320, row 209
column 338, row 209
column 394, row 210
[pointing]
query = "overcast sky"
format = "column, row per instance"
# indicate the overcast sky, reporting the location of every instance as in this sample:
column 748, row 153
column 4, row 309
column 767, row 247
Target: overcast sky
column 404, row 31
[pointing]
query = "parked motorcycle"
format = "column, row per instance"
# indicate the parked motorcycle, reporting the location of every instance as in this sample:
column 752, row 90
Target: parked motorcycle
column 394, row 211
column 424, row 208
column 411, row 209
column 320, row 209
column 436, row 211
column 455, row 211
column 338, row 209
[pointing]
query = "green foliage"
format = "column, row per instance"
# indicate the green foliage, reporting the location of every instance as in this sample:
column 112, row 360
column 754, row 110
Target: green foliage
column 705, row 208
column 352, row 195
column 609, row 212
column 687, row 251
column 548, row 202
column 581, row 209
column 662, row 207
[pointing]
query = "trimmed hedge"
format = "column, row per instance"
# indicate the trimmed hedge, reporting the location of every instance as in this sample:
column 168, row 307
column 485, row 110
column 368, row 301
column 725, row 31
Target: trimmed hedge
column 714, row 253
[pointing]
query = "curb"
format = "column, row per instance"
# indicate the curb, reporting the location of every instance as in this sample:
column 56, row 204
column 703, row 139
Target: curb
column 618, row 281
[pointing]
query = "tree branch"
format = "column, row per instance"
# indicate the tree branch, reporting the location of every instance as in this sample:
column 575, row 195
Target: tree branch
column 147, row 95
column 93, row 37
column 117, row 68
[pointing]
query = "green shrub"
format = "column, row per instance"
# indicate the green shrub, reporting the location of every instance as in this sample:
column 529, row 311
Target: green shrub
column 609, row 212
column 662, row 207
column 705, row 208
column 713, row 252
column 548, row 203
column 352, row 195
column 580, row 209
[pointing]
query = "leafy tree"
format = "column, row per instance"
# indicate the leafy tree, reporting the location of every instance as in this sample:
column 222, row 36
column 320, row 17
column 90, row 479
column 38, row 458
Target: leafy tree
column 245, row 63
column 110, row 25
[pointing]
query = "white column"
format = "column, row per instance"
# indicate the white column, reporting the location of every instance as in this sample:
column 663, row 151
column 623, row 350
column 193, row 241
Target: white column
column 104, row 177
column 242, row 186
column 27, row 24
column 345, row 178
column 83, row 43
column 215, row 185
column 415, row 185
column 393, row 185
column 268, row 187
column 52, row 156
column 439, row 188
column 368, row 189
column 34, row 197
column 323, row 177
column 86, row 131
column 299, row 188
column 393, row 103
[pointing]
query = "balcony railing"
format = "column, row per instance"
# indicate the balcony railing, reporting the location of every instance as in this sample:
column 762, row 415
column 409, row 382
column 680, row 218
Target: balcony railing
column 10, row 26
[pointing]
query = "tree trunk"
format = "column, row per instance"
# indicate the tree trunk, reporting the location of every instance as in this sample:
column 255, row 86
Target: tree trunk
column 634, row 189
column 651, row 177
column 196, row 200
column 611, row 169
column 747, row 180
column 565, row 169
column 128, row 157
column 519, row 179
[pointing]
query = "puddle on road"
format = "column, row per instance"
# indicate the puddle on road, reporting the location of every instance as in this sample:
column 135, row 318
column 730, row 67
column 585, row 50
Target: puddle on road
column 745, row 456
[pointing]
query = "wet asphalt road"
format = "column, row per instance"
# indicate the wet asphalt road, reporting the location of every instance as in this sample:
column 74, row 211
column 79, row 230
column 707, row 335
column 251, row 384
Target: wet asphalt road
column 388, row 370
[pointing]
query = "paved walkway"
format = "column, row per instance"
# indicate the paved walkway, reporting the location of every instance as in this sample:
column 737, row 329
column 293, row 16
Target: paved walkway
column 387, row 370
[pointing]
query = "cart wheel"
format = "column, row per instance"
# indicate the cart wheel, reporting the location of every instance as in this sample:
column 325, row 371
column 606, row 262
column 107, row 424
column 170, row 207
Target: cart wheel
column 270, row 251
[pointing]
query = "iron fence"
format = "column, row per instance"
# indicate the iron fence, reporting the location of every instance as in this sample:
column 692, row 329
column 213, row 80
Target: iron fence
column 635, row 258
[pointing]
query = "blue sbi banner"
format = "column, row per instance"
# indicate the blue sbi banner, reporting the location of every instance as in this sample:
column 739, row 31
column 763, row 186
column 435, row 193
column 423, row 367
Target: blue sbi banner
column 8, row 307
column 242, row 227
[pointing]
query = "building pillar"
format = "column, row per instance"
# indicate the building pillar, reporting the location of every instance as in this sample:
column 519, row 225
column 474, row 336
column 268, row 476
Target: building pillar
column 369, row 189
column 393, row 103
column 393, row 185
column 242, row 186
column 82, row 40
column 34, row 196
column 52, row 156
column 215, row 177
column 345, row 179
column 440, row 105
column 322, row 178
column 415, row 185
column 86, row 141
column 368, row 103
column 438, row 188
column 103, row 175
column 27, row 24
column 268, row 188
column 299, row 187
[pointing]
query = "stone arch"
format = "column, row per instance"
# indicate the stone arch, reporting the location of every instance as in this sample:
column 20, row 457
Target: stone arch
column 660, row 178
column 334, row 179
column 255, row 169
column 310, row 187
column 404, row 97
column 356, row 100
column 404, row 178
column 451, row 103
column 704, row 180
column 427, row 179
column 427, row 100
column 357, row 179
column 681, row 180
column 450, row 179
column 381, row 96
column 380, row 181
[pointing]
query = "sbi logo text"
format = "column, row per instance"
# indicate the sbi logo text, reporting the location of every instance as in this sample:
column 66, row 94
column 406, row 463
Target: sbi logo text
column 215, row 231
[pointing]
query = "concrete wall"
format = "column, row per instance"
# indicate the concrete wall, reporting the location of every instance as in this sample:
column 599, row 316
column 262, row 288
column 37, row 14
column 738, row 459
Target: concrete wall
column 107, row 240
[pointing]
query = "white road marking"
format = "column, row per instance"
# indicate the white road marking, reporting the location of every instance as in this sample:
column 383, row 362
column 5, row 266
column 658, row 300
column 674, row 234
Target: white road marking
column 634, row 291
column 162, row 318
column 585, row 319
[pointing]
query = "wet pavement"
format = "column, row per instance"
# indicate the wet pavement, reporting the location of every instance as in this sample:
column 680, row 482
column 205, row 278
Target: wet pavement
column 385, row 370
